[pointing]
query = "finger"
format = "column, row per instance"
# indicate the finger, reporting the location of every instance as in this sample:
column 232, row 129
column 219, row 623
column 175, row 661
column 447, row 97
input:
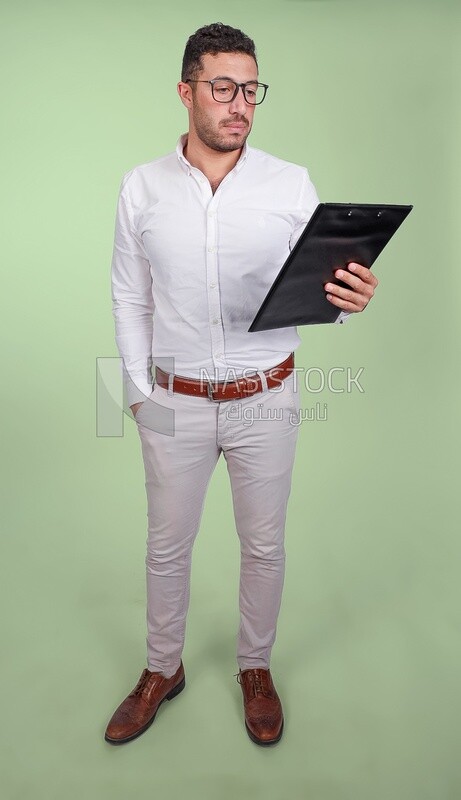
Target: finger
column 344, row 305
column 350, row 301
column 363, row 272
column 352, row 280
column 359, row 298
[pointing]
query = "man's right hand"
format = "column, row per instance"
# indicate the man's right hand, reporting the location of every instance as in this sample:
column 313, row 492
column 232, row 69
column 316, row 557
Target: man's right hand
column 134, row 408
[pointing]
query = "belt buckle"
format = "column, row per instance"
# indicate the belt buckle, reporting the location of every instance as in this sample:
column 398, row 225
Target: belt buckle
column 209, row 390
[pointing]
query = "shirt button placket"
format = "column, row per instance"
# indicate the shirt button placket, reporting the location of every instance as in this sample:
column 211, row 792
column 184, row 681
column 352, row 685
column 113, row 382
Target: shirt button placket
column 214, row 301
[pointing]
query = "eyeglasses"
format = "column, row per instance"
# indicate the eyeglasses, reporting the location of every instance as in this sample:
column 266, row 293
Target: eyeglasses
column 225, row 91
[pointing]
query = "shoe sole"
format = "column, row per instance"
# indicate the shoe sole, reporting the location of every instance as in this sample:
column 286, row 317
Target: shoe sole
column 264, row 742
column 177, row 689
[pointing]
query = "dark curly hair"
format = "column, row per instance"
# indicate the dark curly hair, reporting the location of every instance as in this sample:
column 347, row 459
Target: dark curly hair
column 214, row 38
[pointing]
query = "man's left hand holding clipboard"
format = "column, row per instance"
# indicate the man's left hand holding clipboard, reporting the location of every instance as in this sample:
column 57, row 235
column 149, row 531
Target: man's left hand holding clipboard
column 362, row 282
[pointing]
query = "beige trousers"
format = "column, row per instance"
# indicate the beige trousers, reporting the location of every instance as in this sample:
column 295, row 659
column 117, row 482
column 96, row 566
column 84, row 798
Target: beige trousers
column 182, row 437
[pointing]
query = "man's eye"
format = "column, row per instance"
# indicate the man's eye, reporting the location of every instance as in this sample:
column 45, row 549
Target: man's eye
column 222, row 87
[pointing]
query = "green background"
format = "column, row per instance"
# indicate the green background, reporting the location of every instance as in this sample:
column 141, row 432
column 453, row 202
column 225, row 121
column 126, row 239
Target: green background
column 367, row 658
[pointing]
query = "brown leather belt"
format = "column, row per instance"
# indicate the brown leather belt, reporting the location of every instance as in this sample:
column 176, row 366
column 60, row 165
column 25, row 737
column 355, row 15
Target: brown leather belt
column 227, row 390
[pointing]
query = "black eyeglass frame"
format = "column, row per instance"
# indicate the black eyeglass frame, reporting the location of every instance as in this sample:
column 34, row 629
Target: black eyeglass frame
column 237, row 87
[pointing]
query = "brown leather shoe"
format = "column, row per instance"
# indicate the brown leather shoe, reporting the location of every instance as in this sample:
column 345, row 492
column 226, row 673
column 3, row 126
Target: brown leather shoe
column 138, row 710
column 262, row 706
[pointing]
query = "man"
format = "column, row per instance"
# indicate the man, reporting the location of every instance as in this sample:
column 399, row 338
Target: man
column 200, row 236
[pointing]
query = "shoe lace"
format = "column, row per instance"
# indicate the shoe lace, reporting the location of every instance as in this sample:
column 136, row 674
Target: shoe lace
column 142, row 683
column 258, row 681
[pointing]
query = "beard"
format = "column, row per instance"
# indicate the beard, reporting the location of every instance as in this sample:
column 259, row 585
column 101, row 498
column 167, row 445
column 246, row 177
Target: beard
column 216, row 136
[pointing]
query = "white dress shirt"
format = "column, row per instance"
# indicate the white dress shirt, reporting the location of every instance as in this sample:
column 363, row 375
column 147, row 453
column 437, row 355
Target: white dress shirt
column 190, row 268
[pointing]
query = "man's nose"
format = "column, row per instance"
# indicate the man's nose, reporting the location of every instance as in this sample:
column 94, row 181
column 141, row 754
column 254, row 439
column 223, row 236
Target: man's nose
column 238, row 105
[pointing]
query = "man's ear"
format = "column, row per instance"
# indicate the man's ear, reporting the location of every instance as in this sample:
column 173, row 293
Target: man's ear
column 185, row 93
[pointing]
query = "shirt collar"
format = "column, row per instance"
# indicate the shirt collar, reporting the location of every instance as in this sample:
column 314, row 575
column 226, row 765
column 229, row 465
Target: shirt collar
column 187, row 167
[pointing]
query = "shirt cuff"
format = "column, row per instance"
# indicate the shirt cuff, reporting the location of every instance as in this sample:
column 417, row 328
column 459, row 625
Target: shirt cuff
column 136, row 389
column 343, row 315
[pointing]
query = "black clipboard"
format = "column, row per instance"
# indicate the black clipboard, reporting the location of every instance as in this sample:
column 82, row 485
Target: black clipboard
column 336, row 234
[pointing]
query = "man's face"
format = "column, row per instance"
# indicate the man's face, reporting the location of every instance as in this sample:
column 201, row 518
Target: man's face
column 222, row 126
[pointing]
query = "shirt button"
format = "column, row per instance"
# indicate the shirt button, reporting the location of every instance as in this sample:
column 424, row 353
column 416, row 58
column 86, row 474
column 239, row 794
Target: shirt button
column 215, row 321
column 211, row 249
column 213, row 285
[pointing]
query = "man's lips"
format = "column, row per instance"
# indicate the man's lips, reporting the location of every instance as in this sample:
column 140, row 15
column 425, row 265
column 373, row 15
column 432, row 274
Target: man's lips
column 236, row 126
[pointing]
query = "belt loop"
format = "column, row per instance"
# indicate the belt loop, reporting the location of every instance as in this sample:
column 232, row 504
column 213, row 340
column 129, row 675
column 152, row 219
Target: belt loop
column 261, row 375
column 170, row 383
